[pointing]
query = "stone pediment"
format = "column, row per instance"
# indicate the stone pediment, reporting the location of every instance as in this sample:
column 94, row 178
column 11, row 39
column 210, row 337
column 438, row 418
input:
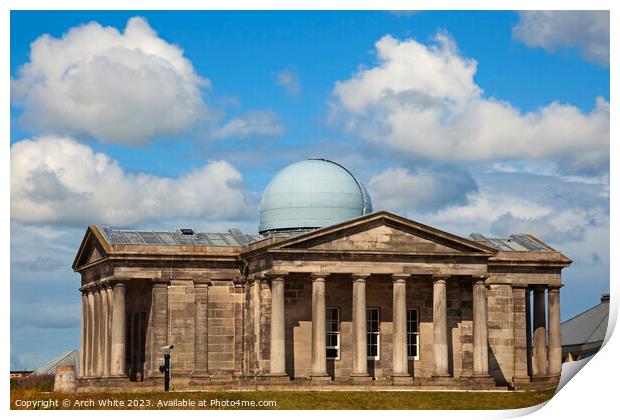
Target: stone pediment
column 92, row 249
column 384, row 232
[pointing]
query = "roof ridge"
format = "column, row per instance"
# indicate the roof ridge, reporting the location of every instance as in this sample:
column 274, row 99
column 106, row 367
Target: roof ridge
column 583, row 313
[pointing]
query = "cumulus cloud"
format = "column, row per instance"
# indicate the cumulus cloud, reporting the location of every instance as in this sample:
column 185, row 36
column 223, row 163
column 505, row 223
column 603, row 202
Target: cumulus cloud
column 119, row 87
column 251, row 124
column 289, row 80
column 568, row 214
column 398, row 190
column 588, row 31
column 57, row 180
column 422, row 100
column 560, row 227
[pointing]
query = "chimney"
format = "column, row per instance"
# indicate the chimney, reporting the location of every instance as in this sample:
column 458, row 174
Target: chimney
column 605, row 298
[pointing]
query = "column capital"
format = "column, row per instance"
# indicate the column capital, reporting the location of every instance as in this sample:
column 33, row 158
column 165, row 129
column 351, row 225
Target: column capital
column 252, row 278
column 159, row 282
column 359, row 277
column 202, row 285
column 120, row 284
column 440, row 278
column 480, row 278
column 276, row 275
column 400, row 278
column 318, row 277
column 554, row 289
column 539, row 288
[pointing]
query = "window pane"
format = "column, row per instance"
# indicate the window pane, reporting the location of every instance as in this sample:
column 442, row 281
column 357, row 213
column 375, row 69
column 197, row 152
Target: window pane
column 332, row 353
column 372, row 322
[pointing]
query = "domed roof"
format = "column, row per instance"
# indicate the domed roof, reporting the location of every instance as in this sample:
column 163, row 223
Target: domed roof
column 311, row 194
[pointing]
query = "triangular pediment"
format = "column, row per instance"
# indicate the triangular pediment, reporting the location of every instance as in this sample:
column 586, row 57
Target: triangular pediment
column 92, row 249
column 384, row 232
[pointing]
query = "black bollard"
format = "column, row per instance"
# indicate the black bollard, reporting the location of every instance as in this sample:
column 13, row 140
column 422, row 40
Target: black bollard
column 165, row 368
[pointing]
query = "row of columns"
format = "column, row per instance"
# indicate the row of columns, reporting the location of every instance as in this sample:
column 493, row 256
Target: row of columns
column 103, row 330
column 359, row 367
column 547, row 343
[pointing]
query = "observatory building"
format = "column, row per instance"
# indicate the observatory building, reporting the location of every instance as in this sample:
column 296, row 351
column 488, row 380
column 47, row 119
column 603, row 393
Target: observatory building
column 328, row 295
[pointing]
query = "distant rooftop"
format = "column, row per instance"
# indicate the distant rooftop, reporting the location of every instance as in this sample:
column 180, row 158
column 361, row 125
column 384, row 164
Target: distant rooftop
column 588, row 327
column 513, row 243
column 234, row 237
column 70, row 357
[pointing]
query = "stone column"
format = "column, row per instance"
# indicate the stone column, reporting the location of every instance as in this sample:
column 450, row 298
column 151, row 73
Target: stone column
column 110, row 301
column 277, row 355
column 319, row 355
column 481, row 333
column 201, row 339
column 400, row 371
column 554, row 340
column 83, row 333
column 157, row 330
column 105, row 311
column 520, row 295
column 256, row 312
column 118, row 331
column 540, row 335
column 99, row 332
column 360, row 350
column 528, row 329
column 440, row 328
column 90, row 367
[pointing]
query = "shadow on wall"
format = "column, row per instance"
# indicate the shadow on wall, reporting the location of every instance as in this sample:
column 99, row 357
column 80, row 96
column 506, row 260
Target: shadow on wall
column 495, row 371
column 289, row 348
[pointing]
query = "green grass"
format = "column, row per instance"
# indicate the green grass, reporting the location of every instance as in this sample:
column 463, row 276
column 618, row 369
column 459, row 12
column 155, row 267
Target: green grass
column 299, row 400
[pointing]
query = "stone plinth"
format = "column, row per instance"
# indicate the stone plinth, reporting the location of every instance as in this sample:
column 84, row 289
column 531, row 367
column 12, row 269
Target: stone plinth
column 64, row 380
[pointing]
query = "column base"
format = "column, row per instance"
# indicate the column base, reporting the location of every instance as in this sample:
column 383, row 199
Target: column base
column 199, row 378
column 440, row 375
column 482, row 378
column 520, row 380
column 402, row 379
column 540, row 378
column 361, row 377
column 320, row 377
column 277, row 378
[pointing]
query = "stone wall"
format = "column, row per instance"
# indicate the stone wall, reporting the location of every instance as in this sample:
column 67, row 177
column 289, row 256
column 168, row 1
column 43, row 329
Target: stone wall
column 181, row 326
column 223, row 346
column 501, row 332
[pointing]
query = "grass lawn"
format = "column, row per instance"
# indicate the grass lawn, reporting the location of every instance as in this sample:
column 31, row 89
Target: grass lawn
column 291, row 400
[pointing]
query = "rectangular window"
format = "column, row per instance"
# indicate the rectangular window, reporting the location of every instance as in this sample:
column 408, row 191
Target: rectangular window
column 413, row 335
column 372, row 333
column 332, row 331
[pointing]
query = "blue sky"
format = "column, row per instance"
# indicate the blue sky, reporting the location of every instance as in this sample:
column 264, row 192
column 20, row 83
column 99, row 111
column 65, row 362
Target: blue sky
column 468, row 121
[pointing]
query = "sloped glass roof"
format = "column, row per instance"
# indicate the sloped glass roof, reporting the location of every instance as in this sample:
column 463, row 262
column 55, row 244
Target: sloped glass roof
column 234, row 237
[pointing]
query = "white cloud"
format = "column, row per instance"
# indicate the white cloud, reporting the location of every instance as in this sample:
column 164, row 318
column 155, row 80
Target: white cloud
column 587, row 31
column 397, row 189
column 251, row 124
column 118, row 87
column 423, row 101
column 57, row 180
column 568, row 214
column 289, row 80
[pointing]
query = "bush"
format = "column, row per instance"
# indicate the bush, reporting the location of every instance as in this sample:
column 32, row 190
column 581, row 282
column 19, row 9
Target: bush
column 41, row 383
